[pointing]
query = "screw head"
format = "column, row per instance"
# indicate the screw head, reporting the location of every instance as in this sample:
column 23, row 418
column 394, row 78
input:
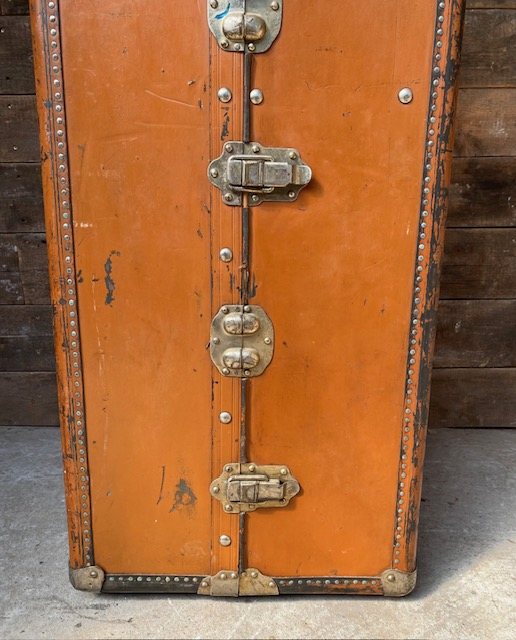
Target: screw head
column 391, row 577
column 215, row 489
column 223, row 576
column 204, row 584
column 225, row 540
column 216, row 340
column 283, row 471
column 274, row 5
column 252, row 468
column 233, row 576
column 255, row 148
column 214, row 4
column 267, row 340
column 291, row 194
column 228, row 468
column 255, row 198
column 405, row 95
column 225, row 417
column 272, row 584
column 226, row 255
column 247, row 308
column 229, row 148
column 228, row 507
column 292, row 155
column 224, row 94
column 94, row 574
column 256, row 96
column 251, row 46
column 225, row 310
column 228, row 197
column 254, row 574
column 225, row 371
column 214, row 173
column 247, row 373
column 224, row 44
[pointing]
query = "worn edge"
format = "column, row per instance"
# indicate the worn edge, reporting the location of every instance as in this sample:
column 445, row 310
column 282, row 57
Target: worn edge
column 436, row 178
column 63, row 280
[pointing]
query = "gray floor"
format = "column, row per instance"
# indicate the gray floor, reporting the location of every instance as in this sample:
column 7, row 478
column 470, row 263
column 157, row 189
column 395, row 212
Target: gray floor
column 467, row 561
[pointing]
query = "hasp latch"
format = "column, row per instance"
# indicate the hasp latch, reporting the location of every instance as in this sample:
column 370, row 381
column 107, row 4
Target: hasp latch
column 250, row 582
column 245, row 24
column 242, row 340
column 273, row 174
column 248, row 486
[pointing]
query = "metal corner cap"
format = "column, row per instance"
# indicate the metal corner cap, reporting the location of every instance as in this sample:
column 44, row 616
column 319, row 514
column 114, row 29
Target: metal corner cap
column 87, row 578
column 397, row 583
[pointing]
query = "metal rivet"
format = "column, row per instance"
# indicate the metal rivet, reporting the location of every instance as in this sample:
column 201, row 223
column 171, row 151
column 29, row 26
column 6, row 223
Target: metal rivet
column 229, row 148
column 283, row 471
column 292, row 155
column 225, row 371
column 228, row 197
column 214, row 4
column 405, row 95
column 225, row 310
column 255, row 148
column 223, row 576
column 254, row 574
column 247, row 308
column 237, row 47
column 215, row 490
column 233, row 576
column 214, row 173
column 274, row 5
column 255, row 198
column 291, row 194
column 224, row 94
column 226, row 255
column 228, row 468
column 224, row 44
column 225, row 540
column 391, row 577
column 225, row 417
column 228, row 507
column 247, row 374
column 216, row 340
column 251, row 46
column 256, row 96
column 267, row 340
column 272, row 584
column 94, row 574
column 252, row 468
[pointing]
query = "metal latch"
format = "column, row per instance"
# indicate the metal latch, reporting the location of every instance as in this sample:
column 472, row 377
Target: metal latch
column 241, row 24
column 247, row 487
column 266, row 173
column 242, row 340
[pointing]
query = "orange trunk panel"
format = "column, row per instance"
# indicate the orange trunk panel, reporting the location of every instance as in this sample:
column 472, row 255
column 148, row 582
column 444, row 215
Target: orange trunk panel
column 347, row 272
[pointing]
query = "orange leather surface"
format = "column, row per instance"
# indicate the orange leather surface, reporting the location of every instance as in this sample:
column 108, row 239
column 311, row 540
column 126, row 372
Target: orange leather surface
column 333, row 270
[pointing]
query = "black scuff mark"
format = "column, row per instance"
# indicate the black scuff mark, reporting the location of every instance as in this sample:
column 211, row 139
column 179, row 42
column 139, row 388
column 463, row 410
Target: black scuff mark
column 160, row 497
column 80, row 278
column 110, row 283
column 184, row 497
column 225, row 127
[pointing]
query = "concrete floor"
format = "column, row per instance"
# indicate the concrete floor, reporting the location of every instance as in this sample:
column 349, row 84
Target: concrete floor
column 467, row 561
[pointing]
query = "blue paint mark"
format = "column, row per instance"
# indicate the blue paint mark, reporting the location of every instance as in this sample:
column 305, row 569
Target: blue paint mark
column 219, row 16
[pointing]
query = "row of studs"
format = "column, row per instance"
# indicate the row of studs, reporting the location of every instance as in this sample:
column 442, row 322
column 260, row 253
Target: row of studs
column 328, row 581
column 163, row 578
column 418, row 302
column 70, row 295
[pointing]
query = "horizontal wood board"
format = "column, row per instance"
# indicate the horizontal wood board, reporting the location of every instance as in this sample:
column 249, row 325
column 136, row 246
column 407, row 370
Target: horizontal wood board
column 475, row 360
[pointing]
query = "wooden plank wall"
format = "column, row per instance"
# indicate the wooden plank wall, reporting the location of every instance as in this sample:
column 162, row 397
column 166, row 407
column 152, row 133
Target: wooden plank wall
column 474, row 382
